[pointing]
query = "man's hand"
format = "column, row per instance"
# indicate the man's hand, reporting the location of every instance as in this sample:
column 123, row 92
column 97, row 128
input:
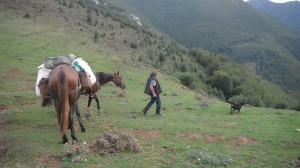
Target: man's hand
column 154, row 95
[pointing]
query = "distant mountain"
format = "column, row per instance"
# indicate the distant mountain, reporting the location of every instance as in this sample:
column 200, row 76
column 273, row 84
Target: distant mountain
column 232, row 27
column 288, row 13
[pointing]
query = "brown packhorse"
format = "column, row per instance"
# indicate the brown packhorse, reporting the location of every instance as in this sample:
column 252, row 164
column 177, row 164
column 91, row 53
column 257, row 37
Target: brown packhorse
column 103, row 78
column 64, row 89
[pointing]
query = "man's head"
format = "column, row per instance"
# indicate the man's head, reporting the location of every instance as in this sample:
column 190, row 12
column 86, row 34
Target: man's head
column 153, row 74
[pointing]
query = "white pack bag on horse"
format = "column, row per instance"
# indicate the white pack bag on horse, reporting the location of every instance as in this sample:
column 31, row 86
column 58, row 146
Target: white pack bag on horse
column 42, row 73
column 80, row 65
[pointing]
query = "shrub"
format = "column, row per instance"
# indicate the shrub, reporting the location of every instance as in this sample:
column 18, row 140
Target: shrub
column 222, row 81
column 65, row 3
column 96, row 37
column 71, row 5
column 75, row 152
column 82, row 3
column 134, row 45
column 162, row 58
column 238, row 99
column 27, row 15
column 206, row 158
column 89, row 19
column 114, row 142
column 187, row 79
column 183, row 68
column 280, row 105
column 296, row 107
column 255, row 101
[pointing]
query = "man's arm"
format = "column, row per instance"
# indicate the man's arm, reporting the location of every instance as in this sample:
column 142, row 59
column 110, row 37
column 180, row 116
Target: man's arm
column 152, row 90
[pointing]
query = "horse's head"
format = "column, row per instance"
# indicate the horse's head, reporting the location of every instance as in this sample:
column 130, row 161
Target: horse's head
column 117, row 79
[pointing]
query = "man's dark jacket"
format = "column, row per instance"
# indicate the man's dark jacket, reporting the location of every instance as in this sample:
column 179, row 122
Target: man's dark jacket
column 157, row 88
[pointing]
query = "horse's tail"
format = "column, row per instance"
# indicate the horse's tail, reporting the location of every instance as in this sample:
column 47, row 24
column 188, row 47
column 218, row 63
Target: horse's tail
column 63, row 95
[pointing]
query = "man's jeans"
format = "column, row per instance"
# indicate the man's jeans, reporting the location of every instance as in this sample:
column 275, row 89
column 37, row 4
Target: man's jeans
column 158, row 103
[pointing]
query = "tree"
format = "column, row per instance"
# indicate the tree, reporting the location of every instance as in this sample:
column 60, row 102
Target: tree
column 89, row 18
column 96, row 37
column 222, row 81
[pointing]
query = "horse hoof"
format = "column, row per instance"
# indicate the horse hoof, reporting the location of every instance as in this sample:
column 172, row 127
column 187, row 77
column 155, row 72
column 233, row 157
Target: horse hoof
column 82, row 129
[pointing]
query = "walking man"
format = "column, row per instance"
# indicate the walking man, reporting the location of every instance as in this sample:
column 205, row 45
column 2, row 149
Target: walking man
column 153, row 89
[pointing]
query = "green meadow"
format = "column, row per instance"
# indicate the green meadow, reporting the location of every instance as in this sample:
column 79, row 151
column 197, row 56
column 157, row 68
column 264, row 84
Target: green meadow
column 195, row 130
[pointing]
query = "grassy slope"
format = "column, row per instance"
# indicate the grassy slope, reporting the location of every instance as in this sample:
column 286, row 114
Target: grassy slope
column 256, row 137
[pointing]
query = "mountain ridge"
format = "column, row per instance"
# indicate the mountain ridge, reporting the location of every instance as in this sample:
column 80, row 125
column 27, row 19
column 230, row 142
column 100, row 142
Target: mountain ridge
column 285, row 12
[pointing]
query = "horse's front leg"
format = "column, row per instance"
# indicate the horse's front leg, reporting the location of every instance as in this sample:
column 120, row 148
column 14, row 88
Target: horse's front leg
column 97, row 100
column 79, row 118
column 90, row 99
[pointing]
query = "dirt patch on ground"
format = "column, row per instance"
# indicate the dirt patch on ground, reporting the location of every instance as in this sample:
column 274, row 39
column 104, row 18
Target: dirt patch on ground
column 2, row 107
column 4, row 148
column 243, row 140
column 231, row 124
column 220, row 123
column 207, row 138
column 147, row 133
column 47, row 159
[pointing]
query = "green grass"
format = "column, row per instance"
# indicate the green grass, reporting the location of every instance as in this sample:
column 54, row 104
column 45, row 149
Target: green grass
column 256, row 137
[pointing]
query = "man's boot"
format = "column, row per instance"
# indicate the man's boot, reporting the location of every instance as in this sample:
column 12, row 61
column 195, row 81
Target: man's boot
column 145, row 110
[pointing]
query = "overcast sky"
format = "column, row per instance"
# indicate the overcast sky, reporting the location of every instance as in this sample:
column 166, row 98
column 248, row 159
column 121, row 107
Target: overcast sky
column 280, row 1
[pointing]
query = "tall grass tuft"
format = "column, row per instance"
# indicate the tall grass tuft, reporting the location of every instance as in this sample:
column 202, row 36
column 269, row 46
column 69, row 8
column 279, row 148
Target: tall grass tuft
column 208, row 158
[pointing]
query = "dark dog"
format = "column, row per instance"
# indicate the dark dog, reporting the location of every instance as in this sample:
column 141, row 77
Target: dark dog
column 235, row 107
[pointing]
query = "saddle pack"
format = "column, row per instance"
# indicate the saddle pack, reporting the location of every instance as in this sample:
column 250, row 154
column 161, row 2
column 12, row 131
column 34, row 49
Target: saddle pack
column 84, row 81
column 52, row 62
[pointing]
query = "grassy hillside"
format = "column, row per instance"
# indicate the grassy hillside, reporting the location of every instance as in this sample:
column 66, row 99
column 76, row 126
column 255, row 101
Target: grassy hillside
column 234, row 28
column 110, row 28
column 194, row 130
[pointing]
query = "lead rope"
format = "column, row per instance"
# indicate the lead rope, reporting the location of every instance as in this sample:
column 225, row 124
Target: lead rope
column 124, row 91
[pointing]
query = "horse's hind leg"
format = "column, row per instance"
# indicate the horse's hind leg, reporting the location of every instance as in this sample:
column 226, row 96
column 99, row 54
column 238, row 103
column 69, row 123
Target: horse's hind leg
column 57, row 107
column 79, row 118
column 65, row 139
column 71, row 123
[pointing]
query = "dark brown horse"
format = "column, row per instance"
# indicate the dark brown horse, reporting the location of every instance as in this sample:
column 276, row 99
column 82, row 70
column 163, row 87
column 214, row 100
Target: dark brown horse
column 103, row 78
column 64, row 89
